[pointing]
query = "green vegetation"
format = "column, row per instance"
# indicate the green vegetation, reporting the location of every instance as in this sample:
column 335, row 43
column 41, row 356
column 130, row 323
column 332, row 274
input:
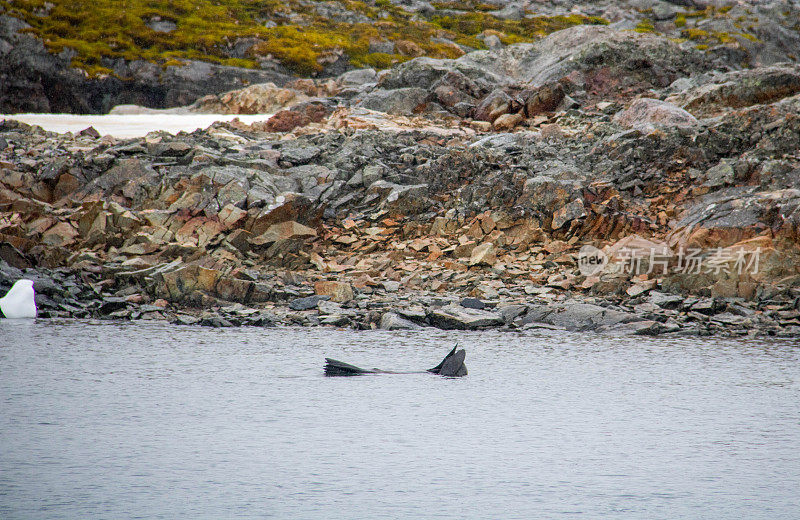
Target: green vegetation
column 694, row 34
column 295, row 33
column 645, row 26
column 101, row 31
column 527, row 29
column 714, row 37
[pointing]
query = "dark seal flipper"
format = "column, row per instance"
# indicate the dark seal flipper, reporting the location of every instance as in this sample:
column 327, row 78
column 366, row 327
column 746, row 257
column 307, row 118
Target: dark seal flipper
column 454, row 365
column 438, row 368
column 337, row 368
column 451, row 366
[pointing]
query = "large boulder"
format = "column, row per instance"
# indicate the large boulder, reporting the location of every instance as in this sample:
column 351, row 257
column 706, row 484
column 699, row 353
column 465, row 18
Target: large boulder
column 572, row 315
column 739, row 240
column 401, row 101
column 649, row 114
column 425, row 72
column 337, row 291
column 605, row 55
column 493, row 106
column 649, row 58
column 723, row 218
column 739, row 89
column 392, row 321
column 458, row 317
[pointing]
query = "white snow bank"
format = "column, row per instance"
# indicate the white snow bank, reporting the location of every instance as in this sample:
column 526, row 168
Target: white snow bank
column 129, row 125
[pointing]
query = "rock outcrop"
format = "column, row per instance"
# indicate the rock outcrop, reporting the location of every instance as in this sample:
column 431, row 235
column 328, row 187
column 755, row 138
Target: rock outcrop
column 599, row 179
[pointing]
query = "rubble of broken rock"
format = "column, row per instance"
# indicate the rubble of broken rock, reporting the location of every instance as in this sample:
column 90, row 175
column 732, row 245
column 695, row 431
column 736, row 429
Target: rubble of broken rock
column 397, row 201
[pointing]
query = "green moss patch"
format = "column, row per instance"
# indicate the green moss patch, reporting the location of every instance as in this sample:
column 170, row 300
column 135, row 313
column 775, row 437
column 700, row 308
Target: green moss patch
column 301, row 39
column 645, row 26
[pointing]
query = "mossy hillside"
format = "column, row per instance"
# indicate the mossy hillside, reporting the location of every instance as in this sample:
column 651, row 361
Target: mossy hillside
column 100, row 31
column 691, row 26
column 118, row 28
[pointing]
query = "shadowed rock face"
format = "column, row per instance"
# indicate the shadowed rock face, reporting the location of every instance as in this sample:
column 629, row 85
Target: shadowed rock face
column 451, row 366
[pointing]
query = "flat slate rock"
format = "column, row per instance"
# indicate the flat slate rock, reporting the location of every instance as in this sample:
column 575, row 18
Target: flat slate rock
column 578, row 316
column 307, row 303
column 473, row 303
column 452, row 317
column 392, row 321
column 664, row 300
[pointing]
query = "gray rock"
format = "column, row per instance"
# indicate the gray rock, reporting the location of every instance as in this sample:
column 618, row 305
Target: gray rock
column 654, row 328
column 412, row 198
column 493, row 105
column 335, row 320
column 720, row 175
column 510, row 12
column 381, row 46
column 371, row 173
column 510, row 312
column 308, row 303
column 578, row 316
column 298, row 152
column 648, row 114
column 729, row 318
column 161, row 26
column 638, row 328
column 392, row 321
column 356, row 78
column 457, row 317
column 415, row 314
column 215, row 321
column 391, row 286
column 472, row 303
column 572, row 211
column 708, row 94
column 493, row 42
column 664, row 300
column 401, row 101
column 663, row 11
column 185, row 319
column 706, row 306
column 583, row 47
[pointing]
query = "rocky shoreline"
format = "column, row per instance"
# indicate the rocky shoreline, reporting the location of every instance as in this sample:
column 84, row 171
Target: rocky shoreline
column 85, row 295
column 451, row 193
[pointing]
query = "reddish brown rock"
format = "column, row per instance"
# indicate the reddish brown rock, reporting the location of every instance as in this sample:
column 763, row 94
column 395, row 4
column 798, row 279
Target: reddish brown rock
column 284, row 121
column 507, row 122
column 338, row 291
column 493, row 106
column 542, row 99
column 408, row 48
column 230, row 216
column 289, row 230
column 179, row 284
column 287, row 207
column 62, row 234
column 484, row 254
column 262, row 98
column 297, row 116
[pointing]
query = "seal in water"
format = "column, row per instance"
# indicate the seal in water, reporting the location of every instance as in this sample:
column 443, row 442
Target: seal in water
column 451, row 366
column 19, row 301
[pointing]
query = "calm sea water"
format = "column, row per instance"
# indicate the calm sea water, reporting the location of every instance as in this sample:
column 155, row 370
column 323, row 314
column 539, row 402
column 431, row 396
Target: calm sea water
column 148, row 420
